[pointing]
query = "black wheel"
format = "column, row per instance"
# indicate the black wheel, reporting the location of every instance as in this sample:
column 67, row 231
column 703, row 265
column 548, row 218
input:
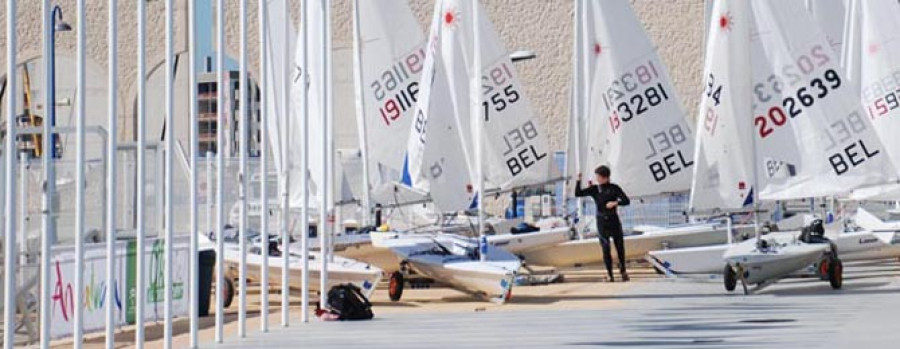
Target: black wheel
column 228, row 292
column 836, row 274
column 395, row 286
column 730, row 278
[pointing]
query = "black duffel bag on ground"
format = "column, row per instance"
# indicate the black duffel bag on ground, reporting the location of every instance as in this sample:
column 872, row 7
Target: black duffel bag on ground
column 349, row 303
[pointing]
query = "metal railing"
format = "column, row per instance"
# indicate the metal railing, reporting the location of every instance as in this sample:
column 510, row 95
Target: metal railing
column 140, row 245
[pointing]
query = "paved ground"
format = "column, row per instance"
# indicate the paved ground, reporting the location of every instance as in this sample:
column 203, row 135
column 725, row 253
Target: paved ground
column 647, row 313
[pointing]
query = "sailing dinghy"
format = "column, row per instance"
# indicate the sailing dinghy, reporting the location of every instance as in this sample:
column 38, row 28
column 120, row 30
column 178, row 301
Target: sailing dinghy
column 634, row 108
column 798, row 111
column 340, row 270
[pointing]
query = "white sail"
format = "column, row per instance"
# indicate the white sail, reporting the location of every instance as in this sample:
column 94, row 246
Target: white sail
column 638, row 125
column 392, row 52
column 874, row 58
column 312, row 75
column 436, row 154
column 722, row 157
column 276, row 72
column 831, row 16
column 515, row 150
column 811, row 135
column 880, row 70
column 585, row 46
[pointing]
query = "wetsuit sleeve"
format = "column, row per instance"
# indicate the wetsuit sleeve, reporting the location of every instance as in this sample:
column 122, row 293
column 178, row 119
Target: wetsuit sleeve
column 579, row 192
column 621, row 197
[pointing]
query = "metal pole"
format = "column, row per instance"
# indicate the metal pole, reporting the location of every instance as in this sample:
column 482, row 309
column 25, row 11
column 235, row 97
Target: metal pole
column 170, row 153
column 285, row 167
column 111, row 169
column 304, row 162
column 220, row 167
column 48, row 233
column 194, row 149
column 476, row 112
column 361, row 113
column 264, row 170
column 9, row 260
column 585, row 99
column 141, row 175
column 209, row 196
column 79, row 177
column 244, row 117
column 323, row 196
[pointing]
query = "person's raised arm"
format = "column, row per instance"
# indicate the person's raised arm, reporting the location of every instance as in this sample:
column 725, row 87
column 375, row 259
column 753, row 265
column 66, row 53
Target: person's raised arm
column 579, row 192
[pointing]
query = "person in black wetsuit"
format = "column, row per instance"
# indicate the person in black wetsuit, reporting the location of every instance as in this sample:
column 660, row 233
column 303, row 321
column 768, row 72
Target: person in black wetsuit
column 607, row 197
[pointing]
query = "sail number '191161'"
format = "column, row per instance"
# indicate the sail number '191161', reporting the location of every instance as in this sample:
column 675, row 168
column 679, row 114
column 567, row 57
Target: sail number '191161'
column 396, row 88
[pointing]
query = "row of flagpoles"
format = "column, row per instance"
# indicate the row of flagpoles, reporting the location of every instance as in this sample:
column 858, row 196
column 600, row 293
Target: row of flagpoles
column 48, row 230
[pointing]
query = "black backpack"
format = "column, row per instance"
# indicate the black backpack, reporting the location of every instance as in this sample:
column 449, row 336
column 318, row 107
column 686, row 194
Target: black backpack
column 349, row 303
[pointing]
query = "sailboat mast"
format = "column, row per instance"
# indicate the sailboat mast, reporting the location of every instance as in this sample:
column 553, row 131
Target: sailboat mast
column 754, row 191
column 585, row 93
column 476, row 113
column 304, row 160
column 361, row 113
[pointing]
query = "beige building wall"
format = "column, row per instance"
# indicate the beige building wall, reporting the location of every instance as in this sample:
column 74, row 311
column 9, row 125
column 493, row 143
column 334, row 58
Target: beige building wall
column 543, row 26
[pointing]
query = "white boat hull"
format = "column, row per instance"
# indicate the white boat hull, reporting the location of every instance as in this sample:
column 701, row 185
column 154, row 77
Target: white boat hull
column 340, row 271
column 587, row 251
column 445, row 258
column 779, row 260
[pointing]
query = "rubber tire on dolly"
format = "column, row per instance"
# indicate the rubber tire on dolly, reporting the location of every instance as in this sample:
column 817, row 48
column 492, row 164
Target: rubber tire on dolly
column 730, row 278
column 836, row 274
column 395, row 286
column 228, row 292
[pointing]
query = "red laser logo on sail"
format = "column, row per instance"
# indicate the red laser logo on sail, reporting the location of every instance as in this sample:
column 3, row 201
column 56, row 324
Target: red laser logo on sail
column 451, row 17
column 725, row 21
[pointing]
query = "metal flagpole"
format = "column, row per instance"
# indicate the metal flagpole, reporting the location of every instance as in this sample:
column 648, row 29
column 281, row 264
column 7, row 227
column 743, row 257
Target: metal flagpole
column 264, row 170
column 243, row 118
column 169, row 183
column 48, row 233
column 361, row 113
column 141, row 175
column 79, row 177
column 323, row 187
column 304, row 161
column 285, row 166
column 112, row 144
column 220, row 168
column 475, row 91
column 9, row 258
column 329, row 129
column 194, row 158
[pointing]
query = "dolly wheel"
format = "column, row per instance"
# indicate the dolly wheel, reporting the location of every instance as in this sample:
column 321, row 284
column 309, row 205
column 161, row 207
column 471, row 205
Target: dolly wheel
column 836, row 274
column 730, row 278
column 228, row 292
column 395, row 286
